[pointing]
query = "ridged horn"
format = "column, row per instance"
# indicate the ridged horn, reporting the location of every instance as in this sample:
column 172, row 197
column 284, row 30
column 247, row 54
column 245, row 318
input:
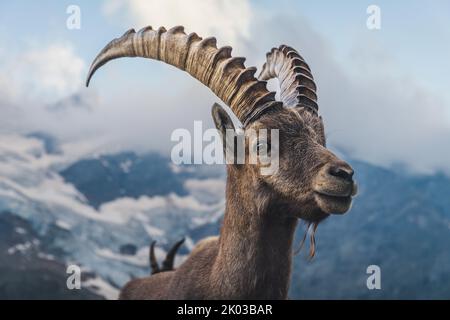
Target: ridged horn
column 297, row 86
column 226, row 76
column 168, row 263
column 153, row 261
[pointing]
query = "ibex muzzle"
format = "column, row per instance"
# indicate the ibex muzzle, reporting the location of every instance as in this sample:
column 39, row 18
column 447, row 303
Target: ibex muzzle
column 334, row 187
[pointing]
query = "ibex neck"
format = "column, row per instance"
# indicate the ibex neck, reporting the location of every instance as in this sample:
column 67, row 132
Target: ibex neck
column 255, row 254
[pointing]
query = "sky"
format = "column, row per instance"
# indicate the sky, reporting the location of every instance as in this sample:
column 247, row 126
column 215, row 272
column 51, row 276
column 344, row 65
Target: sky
column 384, row 94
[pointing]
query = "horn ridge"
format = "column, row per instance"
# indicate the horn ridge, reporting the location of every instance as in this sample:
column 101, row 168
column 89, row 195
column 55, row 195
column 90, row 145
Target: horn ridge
column 226, row 76
column 297, row 86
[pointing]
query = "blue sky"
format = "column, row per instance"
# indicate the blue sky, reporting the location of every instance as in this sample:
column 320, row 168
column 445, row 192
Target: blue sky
column 414, row 31
column 402, row 69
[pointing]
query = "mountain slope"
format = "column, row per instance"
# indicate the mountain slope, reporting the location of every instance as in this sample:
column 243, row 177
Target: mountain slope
column 398, row 222
column 123, row 175
column 94, row 237
column 102, row 212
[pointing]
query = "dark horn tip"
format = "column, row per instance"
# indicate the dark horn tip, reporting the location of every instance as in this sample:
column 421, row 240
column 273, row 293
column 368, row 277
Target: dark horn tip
column 88, row 81
column 89, row 77
column 282, row 47
column 131, row 31
column 268, row 54
column 176, row 29
column 145, row 29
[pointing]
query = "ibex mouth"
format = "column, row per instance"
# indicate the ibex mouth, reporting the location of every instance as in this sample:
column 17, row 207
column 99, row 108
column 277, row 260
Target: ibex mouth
column 334, row 187
column 335, row 200
column 347, row 189
column 333, row 204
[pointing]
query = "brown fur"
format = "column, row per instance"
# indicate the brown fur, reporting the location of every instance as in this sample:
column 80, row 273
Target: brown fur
column 252, row 257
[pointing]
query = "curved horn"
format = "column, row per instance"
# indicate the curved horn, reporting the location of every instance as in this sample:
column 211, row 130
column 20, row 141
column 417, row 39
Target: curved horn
column 153, row 262
column 170, row 258
column 297, row 87
column 226, row 76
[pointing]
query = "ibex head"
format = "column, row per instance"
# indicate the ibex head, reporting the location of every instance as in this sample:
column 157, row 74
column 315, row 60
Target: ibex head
column 310, row 177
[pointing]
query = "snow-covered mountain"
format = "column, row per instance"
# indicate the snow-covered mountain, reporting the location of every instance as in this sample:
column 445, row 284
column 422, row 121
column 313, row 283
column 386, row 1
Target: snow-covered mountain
column 399, row 222
column 90, row 230
column 61, row 205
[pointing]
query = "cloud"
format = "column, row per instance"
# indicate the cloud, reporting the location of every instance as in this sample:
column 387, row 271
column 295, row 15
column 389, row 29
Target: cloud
column 388, row 118
column 38, row 87
column 373, row 109
column 139, row 113
column 227, row 19
column 46, row 73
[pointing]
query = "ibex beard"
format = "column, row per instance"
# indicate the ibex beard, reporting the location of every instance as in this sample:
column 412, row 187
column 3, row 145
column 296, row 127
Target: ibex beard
column 252, row 256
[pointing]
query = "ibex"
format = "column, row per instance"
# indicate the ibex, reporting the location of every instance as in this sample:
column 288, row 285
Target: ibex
column 168, row 262
column 252, row 256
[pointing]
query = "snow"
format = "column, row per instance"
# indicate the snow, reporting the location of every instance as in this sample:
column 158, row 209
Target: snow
column 63, row 225
column 154, row 232
column 20, row 230
column 189, row 243
column 102, row 288
column 32, row 188
column 46, row 256
column 141, row 258
column 181, row 168
column 126, row 165
column 214, row 186
column 20, row 248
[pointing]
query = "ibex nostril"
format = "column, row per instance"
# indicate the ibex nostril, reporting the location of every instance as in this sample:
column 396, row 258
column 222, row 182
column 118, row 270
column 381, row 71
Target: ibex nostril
column 343, row 172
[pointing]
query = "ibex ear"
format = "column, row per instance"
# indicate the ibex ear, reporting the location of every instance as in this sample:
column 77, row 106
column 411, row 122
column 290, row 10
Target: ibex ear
column 223, row 123
column 221, row 119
